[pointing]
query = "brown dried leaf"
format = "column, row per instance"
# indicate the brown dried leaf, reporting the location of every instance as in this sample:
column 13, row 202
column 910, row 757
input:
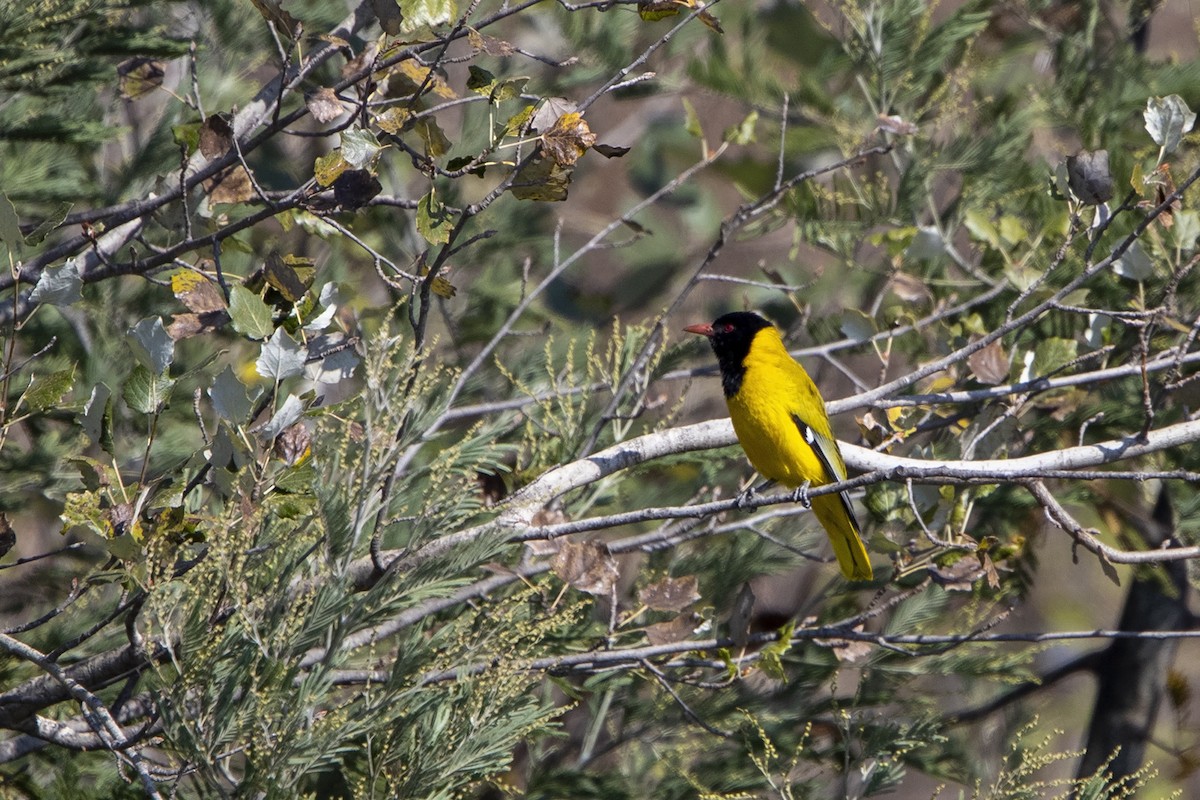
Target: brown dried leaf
column 847, row 650
column 216, row 136
column 959, row 576
column 568, row 139
column 361, row 61
column 184, row 326
column 324, row 105
column 197, row 292
column 670, row 594
column 673, row 630
column 609, row 150
column 587, row 566
column 542, row 179
column 909, row 288
column 272, row 11
column 489, row 44
column 231, row 185
column 283, row 278
column 294, row 444
column 989, row 365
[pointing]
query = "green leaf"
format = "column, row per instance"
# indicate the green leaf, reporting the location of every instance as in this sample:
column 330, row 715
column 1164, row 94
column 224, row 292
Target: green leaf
column 60, row 286
column 436, row 143
column 480, row 81
column 1134, row 263
column 743, row 133
column 1053, row 354
column 52, row 221
column 96, row 419
column 281, row 357
column 1167, row 120
column 10, row 226
column 228, row 397
column 360, row 148
column 692, row 125
column 426, row 13
column 152, row 345
column 47, row 390
column 145, row 391
column 434, row 222
column 329, row 167
column 249, row 314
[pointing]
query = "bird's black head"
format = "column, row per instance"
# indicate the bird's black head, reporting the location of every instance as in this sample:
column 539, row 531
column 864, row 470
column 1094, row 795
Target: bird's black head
column 730, row 336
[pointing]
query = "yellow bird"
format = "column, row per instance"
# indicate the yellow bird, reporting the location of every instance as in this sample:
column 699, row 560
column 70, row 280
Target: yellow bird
column 780, row 419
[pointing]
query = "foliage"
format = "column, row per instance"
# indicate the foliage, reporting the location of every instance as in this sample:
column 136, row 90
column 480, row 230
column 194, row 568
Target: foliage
column 346, row 447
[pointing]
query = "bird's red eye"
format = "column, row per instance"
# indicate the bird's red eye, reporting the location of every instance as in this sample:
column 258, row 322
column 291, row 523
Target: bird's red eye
column 727, row 327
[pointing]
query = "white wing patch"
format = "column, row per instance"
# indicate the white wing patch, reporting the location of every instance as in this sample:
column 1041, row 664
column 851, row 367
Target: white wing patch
column 827, row 453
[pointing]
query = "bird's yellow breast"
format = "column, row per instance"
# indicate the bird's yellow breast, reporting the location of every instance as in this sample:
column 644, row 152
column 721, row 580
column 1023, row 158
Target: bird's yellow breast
column 776, row 391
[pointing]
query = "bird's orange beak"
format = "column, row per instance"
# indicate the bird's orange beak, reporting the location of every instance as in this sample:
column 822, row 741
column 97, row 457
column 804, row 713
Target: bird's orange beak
column 704, row 329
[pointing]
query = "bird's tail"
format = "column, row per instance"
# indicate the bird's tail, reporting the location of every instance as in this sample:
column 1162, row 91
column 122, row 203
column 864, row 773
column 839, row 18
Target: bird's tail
column 844, row 535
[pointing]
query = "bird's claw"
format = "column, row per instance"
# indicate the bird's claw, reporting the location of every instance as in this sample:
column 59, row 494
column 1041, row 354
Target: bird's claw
column 746, row 497
column 801, row 495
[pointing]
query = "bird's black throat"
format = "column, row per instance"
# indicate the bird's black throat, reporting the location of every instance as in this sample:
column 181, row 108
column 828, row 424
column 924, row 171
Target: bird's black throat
column 731, row 339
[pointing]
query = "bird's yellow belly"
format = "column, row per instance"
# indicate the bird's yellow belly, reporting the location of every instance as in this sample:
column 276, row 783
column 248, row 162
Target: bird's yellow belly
column 773, row 441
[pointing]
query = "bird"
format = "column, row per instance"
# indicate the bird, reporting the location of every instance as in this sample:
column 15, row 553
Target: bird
column 780, row 421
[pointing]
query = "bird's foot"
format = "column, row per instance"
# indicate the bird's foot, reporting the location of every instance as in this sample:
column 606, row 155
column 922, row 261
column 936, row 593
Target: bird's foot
column 746, row 497
column 801, row 495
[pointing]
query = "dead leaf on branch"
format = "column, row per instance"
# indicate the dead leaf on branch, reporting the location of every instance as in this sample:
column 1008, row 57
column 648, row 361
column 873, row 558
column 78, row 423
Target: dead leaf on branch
column 139, row 76
column 324, row 105
column 216, row 136
column 670, row 594
column 588, row 567
column 568, row 139
column 231, row 185
column 673, row 630
column 989, row 365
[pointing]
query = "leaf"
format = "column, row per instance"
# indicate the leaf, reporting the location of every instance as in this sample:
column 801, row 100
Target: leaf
column 228, row 397
column 283, row 278
column 281, row 357
column 51, row 221
column 152, row 346
column 480, row 81
column 434, row 221
column 250, row 315
column 392, row 121
column 324, row 104
column 96, row 419
column 743, row 133
column 857, row 326
column 294, row 444
column 354, row 188
column 231, row 186
column 329, row 360
column 216, row 136
column 542, row 179
column 989, row 365
column 388, row 14
column 610, row 151
column 328, row 167
column 1134, row 263
column 692, row 125
column 330, row 299
column 588, row 567
column 1167, row 120
column 187, row 135
column 287, row 415
column 670, row 594
column 426, row 13
column 59, row 285
column 197, row 292
column 771, row 655
column 926, row 245
column 46, row 391
column 272, row 11
column 139, row 75
column 1089, row 177
column 568, row 139
column 673, row 630
column 436, row 143
column 1052, row 354
column 147, row 391
column 360, row 148
column 550, row 110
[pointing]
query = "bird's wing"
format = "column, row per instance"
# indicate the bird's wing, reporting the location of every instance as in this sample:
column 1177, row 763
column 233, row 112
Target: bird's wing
column 827, row 453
